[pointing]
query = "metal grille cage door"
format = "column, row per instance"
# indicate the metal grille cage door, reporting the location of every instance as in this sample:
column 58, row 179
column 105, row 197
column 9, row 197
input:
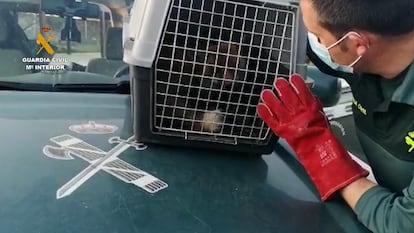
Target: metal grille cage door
column 211, row 62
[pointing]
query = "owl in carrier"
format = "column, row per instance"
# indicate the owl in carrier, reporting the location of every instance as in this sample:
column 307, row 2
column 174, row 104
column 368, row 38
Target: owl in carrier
column 218, row 89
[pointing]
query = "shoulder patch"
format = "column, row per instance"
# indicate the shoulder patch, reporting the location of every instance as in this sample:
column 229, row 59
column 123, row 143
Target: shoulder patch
column 409, row 140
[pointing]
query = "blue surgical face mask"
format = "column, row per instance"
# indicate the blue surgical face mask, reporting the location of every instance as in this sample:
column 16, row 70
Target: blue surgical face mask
column 323, row 52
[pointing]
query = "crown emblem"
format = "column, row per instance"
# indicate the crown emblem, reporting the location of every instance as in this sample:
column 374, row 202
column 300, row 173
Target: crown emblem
column 93, row 128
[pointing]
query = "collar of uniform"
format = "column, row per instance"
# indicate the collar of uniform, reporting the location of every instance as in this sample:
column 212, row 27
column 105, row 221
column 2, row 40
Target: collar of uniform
column 405, row 91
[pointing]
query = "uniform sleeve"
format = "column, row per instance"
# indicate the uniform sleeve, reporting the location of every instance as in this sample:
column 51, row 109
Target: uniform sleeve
column 385, row 212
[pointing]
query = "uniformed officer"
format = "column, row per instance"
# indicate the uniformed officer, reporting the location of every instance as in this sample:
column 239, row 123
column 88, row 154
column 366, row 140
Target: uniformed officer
column 370, row 43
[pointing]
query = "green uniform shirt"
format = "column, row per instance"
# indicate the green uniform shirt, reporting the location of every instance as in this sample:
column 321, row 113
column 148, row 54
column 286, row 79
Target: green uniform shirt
column 384, row 117
column 383, row 112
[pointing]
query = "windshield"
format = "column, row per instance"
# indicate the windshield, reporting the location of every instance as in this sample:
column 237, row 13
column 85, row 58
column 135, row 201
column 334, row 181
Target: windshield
column 50, row 36
column 82, row 52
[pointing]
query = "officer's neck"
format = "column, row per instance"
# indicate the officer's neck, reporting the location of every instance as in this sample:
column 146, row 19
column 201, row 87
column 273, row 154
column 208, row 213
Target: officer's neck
column 395, row 56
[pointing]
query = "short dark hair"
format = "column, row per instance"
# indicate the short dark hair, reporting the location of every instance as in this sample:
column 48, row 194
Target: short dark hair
column 383, row 17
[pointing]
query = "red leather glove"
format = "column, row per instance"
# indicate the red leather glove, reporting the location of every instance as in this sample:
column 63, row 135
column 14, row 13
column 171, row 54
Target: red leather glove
column 297, row 116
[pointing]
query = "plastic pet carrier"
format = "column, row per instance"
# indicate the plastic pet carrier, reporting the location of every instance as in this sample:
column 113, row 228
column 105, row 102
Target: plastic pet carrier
column 197, row 68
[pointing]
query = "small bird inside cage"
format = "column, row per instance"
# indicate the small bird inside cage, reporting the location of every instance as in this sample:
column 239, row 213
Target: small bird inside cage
column 218, row 66
column 216, row 90
column 202, row 83
column 222, row 68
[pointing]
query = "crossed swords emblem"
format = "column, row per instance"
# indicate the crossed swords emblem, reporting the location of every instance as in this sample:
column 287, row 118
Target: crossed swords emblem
column 45, row 44
column 70, row 147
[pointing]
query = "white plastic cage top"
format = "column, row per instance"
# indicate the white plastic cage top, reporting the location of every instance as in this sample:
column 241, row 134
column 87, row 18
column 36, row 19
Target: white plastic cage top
column 211, row 59
column 144, row 24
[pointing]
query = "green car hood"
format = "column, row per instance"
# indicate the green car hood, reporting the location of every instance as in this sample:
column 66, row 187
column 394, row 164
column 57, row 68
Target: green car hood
column 207, row 191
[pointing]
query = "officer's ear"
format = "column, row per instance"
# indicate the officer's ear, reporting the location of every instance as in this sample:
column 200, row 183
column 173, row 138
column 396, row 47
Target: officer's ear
column 361, row 41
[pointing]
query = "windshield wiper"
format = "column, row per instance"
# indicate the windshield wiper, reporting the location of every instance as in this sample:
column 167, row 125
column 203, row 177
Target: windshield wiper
column 121, row 87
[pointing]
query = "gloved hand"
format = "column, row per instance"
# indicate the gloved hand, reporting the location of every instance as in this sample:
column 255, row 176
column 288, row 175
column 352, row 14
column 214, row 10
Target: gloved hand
column 297, row 116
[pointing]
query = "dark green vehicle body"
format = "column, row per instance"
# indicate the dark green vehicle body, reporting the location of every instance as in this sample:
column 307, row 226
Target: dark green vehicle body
column 208, row 191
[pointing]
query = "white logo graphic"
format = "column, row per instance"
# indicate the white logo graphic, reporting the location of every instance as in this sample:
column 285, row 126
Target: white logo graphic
column 93, row 128
column 339, row 125
column 70, row 147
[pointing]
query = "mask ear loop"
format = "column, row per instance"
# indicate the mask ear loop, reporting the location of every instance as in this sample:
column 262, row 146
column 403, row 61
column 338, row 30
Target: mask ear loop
column 342, row 39
column 353, row 63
